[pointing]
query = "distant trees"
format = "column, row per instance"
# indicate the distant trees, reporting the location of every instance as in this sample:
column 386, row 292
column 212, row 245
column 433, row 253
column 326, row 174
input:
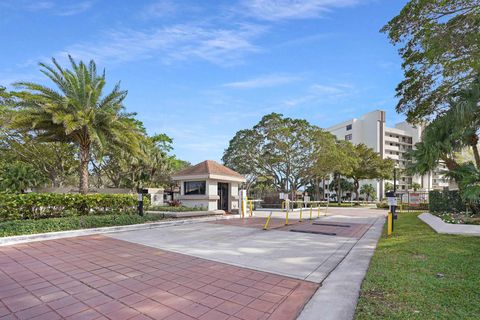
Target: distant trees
column 369, row 165
column 276, row 147
column 369, row 191
column 293, row 154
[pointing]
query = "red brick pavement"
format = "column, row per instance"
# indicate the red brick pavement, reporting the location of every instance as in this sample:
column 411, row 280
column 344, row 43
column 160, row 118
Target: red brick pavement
column 96, row 277
column 354, row 230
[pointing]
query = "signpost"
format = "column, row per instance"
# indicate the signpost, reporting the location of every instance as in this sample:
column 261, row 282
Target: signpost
column 392, row 203
column 141, row 192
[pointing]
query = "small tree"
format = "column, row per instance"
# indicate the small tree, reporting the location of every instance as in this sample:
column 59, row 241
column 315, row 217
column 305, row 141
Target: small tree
column 18, row 177
column 388, row 186
column 369, row 191
column 415, row 186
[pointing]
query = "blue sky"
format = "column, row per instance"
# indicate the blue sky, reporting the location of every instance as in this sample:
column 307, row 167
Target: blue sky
column 200, row 71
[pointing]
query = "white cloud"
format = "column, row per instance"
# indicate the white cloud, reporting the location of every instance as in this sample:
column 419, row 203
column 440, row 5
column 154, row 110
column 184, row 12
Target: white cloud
column 274, row 10
column 50, row 6
column 321, row 92
column 262, row 82
column 221, row 46
column 76, row 8
column 161, row 8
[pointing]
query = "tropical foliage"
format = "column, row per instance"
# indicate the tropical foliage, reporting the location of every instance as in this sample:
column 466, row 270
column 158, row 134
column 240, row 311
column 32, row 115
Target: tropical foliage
column 285, row 155
column 75, row 131
column 369, row 191
column 48, row 205
column 438, row 42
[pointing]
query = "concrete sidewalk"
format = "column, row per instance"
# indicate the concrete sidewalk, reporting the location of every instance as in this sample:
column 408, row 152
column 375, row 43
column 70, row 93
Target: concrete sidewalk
column 441, row 226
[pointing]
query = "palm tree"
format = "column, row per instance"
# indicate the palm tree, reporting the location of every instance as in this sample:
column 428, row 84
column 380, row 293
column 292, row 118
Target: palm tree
column 77, row 112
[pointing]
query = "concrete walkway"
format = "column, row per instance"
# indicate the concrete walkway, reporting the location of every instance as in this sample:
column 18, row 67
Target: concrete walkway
column 441, row 226
column 338, row 263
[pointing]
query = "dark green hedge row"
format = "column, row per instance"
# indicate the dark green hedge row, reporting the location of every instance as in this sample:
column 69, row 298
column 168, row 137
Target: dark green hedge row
column 49, row 205
column 445, row 201
column 21, row 227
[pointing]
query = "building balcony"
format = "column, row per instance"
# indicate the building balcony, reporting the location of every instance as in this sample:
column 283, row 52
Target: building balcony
column 391, row 139
column 391, row 148
column 392, row 156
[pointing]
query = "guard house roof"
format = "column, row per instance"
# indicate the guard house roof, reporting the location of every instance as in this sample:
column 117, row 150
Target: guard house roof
column 209, row 169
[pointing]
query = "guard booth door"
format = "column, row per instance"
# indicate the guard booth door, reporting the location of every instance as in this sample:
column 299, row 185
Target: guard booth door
column 222, row 203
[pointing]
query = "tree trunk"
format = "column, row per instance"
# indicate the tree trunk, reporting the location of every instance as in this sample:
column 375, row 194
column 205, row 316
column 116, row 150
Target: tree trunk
column 323, row 190
column 317, row 189
column 356, row 185
column 339, row 190
column 84, row 160
column 473, row 141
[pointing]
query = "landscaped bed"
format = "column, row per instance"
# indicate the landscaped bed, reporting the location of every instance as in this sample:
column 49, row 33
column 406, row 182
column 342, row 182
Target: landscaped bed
column 419, row 274
column 459, row 218
column 30, row 226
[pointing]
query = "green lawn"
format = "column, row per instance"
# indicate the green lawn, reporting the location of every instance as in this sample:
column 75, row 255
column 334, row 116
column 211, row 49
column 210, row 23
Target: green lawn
column 419, row 274
column 20, row 227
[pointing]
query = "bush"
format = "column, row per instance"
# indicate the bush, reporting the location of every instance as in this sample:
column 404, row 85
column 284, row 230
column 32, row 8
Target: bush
column 21, row 227
column 445, row 201
column 50, row 205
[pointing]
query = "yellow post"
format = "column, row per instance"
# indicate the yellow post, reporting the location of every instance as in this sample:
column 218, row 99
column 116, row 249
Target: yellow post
column 286, row 218
column 243, row 209
column 251, row 210
column 265, row 227
column 389, row 224
column 301, row 208
column 311, row 212
column 318, row 215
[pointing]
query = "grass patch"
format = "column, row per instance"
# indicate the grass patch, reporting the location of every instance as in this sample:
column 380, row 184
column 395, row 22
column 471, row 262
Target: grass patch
column 419, row 274
column 22, row 227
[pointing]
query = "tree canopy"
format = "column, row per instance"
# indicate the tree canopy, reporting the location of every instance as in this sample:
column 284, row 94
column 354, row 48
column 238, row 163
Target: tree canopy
column 440, row 46
column 76, row 125
column 369, row 165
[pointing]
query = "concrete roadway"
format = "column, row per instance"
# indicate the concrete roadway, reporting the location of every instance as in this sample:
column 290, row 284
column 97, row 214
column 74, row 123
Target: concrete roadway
column 313, row 257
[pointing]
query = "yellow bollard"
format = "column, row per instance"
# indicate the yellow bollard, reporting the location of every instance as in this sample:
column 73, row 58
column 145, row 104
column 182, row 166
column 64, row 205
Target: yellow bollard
column 311, row 212
column 318, row 215
column 265, row 227
column 251, row 210
column 286, row 218
column 301, row 208
column 243, row 209
column 389, row 224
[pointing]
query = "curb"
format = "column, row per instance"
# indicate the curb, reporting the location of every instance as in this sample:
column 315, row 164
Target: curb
column 341, row 289
column 440, row 226
column 5, row 241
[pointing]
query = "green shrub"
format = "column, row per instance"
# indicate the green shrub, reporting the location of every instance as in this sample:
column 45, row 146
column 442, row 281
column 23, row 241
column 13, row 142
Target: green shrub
column 21, row 227
column 445, row 201
column 50, row 205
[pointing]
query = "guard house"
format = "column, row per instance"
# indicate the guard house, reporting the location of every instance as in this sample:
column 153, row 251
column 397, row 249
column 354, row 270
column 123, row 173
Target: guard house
column 209, row 185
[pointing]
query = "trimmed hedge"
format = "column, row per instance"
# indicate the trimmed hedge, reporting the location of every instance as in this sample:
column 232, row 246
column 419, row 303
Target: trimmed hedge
column 53, row 205
column 21, row 227
column 445, row 201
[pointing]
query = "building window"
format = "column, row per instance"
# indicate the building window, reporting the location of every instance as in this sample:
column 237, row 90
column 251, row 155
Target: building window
column 349, row 127
column 348, row 137
column 195, row 187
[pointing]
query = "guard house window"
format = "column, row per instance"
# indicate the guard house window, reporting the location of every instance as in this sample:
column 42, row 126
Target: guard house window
column 349, row 127
column 348, row 137
column 194, row 187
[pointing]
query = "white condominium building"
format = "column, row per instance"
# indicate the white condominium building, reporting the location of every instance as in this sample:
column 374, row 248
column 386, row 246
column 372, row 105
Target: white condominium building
column 371, row 130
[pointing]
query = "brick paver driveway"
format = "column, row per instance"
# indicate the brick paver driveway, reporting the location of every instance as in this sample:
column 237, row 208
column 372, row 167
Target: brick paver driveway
column 98, row 278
